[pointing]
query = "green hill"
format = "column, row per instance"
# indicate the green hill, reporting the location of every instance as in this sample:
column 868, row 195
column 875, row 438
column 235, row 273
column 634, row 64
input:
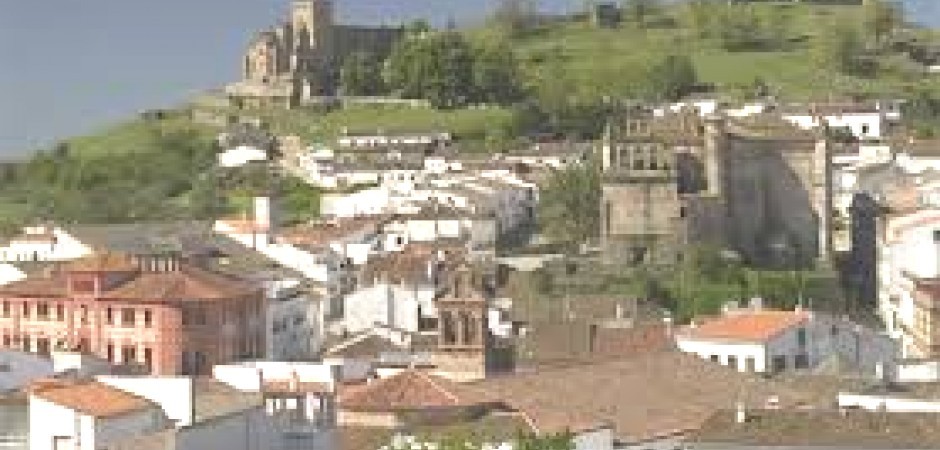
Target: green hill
column 593, row 61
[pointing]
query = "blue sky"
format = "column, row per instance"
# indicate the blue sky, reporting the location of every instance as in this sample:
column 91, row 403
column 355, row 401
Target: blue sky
column 71, row 66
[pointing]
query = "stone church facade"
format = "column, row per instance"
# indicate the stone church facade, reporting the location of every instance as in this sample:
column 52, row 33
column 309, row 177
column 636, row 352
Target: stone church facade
column 757, row 185
column 298, row 60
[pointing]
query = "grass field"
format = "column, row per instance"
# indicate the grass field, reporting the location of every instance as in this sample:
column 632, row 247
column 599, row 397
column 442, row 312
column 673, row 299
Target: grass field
column 597, row 62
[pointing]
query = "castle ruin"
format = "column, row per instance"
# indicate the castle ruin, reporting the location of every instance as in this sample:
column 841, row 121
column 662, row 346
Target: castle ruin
column 299, row 60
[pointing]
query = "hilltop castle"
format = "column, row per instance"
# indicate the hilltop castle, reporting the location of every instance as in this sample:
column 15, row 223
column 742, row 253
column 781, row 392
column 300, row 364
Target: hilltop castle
column 299, row 59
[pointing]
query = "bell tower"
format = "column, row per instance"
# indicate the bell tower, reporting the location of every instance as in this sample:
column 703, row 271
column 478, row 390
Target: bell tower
column 463, row 334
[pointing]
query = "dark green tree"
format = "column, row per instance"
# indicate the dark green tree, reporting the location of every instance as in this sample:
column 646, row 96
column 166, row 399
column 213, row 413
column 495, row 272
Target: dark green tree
column 841, row 48
column 361, row 74
column 671, row 78
column 569, row 205
column 438, row 68
column 496, row 77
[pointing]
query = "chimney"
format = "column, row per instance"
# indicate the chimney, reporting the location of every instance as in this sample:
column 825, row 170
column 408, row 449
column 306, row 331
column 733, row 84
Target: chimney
column 740, row 415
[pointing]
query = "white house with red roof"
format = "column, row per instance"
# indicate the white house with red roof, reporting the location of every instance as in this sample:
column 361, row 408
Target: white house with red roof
column 751, row 341
column 88, row 415
column 771, row 341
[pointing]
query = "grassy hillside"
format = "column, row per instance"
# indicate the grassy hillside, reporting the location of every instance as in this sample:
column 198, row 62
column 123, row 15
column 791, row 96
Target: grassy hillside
column 598, row 62
column 135, row 135
column 474, row 126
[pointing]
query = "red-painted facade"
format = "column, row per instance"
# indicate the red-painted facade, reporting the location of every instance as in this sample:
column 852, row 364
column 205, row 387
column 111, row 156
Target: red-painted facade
column 172, row 320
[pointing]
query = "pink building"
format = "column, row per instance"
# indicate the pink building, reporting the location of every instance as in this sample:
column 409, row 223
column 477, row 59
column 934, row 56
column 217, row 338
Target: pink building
column 155, row 312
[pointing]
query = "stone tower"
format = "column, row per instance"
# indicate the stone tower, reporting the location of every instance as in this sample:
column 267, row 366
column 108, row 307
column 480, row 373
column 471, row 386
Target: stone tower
column 640, row 209
column 312, row 24
column 463, row 332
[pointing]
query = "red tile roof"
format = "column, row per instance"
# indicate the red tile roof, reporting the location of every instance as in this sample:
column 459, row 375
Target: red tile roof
column 189, row 283
column 91, row 398
column 408, row 390
column 748, row 326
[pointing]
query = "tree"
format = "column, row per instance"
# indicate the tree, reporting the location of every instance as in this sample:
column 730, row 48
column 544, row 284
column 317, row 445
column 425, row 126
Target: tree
column 638, row 11
column 361, row 74
column 495, row 73
column 841, row 48
column 570, row 204
column 438, row 68
column 671, row 78
column 882, row 18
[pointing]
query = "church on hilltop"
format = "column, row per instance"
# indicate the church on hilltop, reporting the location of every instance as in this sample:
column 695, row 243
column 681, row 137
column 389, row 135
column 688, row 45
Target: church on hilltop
column 292, row 63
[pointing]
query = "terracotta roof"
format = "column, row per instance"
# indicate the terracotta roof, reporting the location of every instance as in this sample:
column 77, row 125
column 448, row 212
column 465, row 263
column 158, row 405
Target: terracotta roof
column 408, row 390
column 102, row 262
column 645, row 396
column 748, row 326
column 821, row 429
column 92, row 398
column 35, row 287
column 188, row 283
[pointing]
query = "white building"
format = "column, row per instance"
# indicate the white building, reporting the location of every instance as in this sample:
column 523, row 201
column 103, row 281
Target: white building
column 863, row 123
column 908, row 264
column 43, row 243
column 241, row 155
column 88, row 416
column 765, row 341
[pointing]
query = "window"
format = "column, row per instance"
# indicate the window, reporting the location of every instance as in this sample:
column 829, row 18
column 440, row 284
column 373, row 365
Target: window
column 83, row 311
column 682, row 212
column 801, row 361
column 834, row 331
column 713, row 358
column 779, row 363
column 26, row 310
column 148, row 318
column 111, row 352
column 865, row 129
column 128, row 355
column 801, row 337
column 109, row 317
column 6, row 308
column 84, row 345
column 733, row 362
column 127, row 317
column 60, row 312
column 42, row 311
column 6, row 340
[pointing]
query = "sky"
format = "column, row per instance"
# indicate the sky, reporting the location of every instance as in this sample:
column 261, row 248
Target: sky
column 72, row 66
